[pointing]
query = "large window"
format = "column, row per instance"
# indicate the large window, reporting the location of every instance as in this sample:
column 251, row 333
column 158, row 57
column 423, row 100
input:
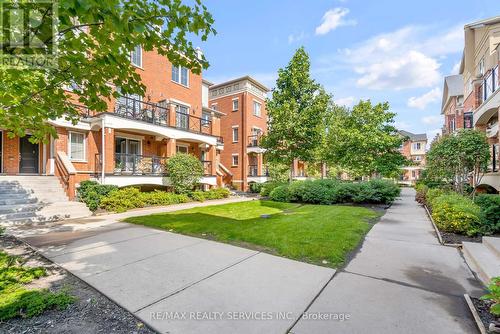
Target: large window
column 235, row 104
column 235, row 134
column 180, row 75
column 234, row 160
column 257, row 108
column 182, row 117
column 76, row 146
column 416, row 146
column 468, row 120
column 205, row 119
column 136, row 56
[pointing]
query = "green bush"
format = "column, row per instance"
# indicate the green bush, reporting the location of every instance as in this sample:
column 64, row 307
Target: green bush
column 489, row 218
column 268, row 187
column 434, row 193
column 493, row 295
column 198, row 196
column 255, row 187
column 217, row 193
column 421, row 194
column 455, row 213
column 310, row 192
column 91, row 193
column 377, row 192
column 159, row 197
column 124, row 199
column 185, row 172
column 280, row 194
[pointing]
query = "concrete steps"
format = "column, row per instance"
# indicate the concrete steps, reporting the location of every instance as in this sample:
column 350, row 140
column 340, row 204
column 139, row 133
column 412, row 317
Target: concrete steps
column 483, row 258
column 36, row 199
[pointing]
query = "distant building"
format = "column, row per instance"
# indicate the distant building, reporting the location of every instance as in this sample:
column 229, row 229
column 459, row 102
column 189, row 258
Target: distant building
column 414, row 149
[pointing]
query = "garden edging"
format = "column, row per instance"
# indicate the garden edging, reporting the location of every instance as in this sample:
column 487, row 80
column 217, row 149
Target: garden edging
column 440, row 238
column 475, row 314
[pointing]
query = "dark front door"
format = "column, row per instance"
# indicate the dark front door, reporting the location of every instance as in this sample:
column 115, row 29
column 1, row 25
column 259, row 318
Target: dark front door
column 29, row 156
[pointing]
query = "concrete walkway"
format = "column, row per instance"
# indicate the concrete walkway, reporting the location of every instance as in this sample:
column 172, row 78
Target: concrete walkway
column 402, row 281
column 180, row 284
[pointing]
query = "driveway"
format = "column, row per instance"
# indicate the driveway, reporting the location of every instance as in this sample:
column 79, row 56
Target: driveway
column 401, row 281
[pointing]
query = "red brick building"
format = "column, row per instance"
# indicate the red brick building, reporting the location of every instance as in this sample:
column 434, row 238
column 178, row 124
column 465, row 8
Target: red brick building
column 244, row 120
column 129, row 143
column 414, row 149
column 452, row 107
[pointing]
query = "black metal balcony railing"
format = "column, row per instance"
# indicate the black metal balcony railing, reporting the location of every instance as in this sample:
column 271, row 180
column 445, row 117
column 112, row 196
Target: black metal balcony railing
column 489, row 84
column 254, row 140
column 158, row 114
column 220, row 140
column 207, row 167
column 134, row 164
column 253, row 170
column 154, row 113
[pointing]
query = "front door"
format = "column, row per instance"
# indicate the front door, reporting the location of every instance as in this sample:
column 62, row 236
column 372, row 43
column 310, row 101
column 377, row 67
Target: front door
column 29, row 156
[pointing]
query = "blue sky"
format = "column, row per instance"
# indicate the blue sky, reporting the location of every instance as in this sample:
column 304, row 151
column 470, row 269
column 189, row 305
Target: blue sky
column 395, row 51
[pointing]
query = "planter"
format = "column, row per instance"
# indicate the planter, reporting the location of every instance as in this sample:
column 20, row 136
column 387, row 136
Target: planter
column 485, row 321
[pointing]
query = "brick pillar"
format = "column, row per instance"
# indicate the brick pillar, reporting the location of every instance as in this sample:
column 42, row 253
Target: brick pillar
column 212, row 156
column 215, row 125
column 171, row 147
column 171, row 116
column 259, row 165
column 109, row 150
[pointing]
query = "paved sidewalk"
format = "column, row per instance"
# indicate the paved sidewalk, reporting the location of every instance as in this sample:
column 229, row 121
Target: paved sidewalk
column 181, row 284
column 402, row 281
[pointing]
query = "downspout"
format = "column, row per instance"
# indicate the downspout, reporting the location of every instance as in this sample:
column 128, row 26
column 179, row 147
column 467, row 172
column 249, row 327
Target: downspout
column 103, row 159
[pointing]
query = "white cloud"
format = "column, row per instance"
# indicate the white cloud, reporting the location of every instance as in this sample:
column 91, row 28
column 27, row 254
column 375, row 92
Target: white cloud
column 456, row 68
column 401, row 59
column 292, row 38
column 333, row 19
column 431, row 134
column 402, row 125
column 432, row 120
column 422, row 101
column 345, row 101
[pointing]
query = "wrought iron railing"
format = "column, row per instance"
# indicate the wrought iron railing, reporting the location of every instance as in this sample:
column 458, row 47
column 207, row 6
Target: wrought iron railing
column 254, row 140
column 154, row 113
column 134, row 164
column 253, row 170
column 489, row 84
column 220, row 140
column 192, row 123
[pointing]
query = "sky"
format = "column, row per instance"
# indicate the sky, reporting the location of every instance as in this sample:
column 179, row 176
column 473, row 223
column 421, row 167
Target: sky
column 394, row 51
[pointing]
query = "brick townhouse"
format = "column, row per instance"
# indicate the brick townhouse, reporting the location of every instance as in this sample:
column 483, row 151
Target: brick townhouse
column 480, row 73
column 452, row 107
column 414, row 149
column 129, row 143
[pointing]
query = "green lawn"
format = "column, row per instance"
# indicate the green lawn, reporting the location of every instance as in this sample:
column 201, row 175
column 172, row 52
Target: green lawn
column 310, row 233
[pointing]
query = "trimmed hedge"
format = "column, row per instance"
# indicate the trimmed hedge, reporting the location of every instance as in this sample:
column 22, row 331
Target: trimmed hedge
column 267, row 187
column 91, row 193
column 329, row 191
column 455, row 213
column 490, row 213
column 120, row 200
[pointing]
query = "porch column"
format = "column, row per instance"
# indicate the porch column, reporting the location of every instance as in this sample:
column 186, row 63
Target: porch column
column 171, row 115
column 109, row 150
column 171, row 147
column 259, row 164
column 212, row 156
column 295, row 167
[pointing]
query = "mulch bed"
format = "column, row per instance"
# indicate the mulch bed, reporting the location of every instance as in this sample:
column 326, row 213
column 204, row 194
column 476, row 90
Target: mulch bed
column 90, row 313
column 483, row 309
column 453, row 238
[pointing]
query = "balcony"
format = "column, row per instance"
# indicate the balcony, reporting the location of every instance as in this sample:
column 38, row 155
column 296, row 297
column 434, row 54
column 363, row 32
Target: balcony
column 253, row 145
column 253, row 174
column 207, row 167
column 158, row 114
column 492, row 129
column 489, row 98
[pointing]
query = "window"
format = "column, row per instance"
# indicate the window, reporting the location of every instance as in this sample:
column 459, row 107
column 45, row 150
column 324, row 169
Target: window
column 182, row 149
column 234, row 160
column 205, row 119
column 182, row 117
column 417, row 158
column 180, row 75
column 136, row 56
column 468, row 120
column 416, row 146
column 256, row 108
column 235, row 104
column 481, row 67
column 76, row 146
column 129, row 105
column 235, row 134
column 214, row 106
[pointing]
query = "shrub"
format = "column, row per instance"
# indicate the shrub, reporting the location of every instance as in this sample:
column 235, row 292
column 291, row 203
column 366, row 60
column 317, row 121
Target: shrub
column 124, row 199
column 455, row 213
column 91, row 193
column 256, row 187
column 377, row 192
column 421, row 194
column 159, row 197
column 268, row 187
column 310, row 192
column 434, row 193
column 494, row 295
column 198, row 196
column 185, row 172
column 280, row 194
column 217, row 193
column 489, row 217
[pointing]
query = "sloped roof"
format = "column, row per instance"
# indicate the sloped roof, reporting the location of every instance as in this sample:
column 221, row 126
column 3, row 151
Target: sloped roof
column 413, row 136
column 453, row 86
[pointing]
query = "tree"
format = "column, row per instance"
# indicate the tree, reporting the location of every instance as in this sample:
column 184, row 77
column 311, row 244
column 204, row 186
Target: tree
column 296, row 112
column 94, row 41
column 363, row 140
column 185, row 172
column 459, row 158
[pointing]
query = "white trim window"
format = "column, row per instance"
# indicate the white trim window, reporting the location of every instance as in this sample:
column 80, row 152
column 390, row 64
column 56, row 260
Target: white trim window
column 182, row 149
column 136, row 56
column 236, row 104
column 257, row 107
column 416, row 146
column 205, row 119
column 235, row 133
column 234, row 160
column 180, row 75
column 76, row 146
